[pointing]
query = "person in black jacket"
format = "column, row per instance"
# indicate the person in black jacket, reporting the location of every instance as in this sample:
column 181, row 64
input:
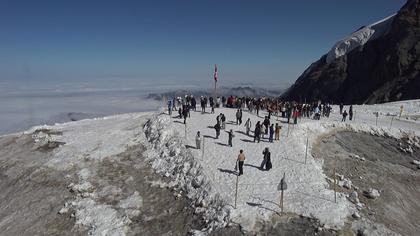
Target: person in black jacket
column 266, row 163
column 217, row 128
column 344, row 116
column 230, row 138
column 185, row 112
column 257, row 132
column 266, row 124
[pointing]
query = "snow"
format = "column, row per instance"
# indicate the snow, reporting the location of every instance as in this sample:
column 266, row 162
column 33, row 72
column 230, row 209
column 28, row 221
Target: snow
column 100, row 218
column 95, row 140
column 209, row 179
column 359, row 38
column 308, row 193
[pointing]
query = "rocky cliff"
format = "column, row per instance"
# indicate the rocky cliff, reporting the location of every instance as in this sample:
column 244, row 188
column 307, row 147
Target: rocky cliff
column 378, row 63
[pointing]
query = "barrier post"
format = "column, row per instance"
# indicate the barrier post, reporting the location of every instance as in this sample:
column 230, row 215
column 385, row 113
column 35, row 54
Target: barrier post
column 203, row 147
column 392, row 119
column 335, row 187
column 306, row 151
column 236, row 191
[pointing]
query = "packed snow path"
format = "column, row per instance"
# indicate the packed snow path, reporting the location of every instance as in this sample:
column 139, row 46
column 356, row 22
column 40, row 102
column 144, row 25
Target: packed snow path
column 308, row 191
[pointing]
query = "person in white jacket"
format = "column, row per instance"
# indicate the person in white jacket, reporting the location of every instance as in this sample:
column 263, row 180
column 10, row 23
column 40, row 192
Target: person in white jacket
column 198, row 140
column 248, row 126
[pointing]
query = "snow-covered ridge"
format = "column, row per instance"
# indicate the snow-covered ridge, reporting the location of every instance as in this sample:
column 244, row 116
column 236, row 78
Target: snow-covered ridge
column 359, row 38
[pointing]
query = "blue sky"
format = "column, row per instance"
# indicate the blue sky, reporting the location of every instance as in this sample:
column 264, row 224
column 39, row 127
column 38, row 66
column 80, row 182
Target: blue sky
column 119, row 44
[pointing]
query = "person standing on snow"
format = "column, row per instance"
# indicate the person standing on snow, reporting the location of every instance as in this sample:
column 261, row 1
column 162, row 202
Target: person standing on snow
column 198, row 140
column 341, row 108
column 263, row 129
column 266, row 124
column 270, row 139
column 180, row 113
column 344, row 116
column 241, row 160
column 295, row 116
column 248, row 126
column 257, row 132
column 266, row 163
column 277, row 131
column 230, row 137
column 185, row 113
column 239, row 117
column 203, row 105
column 257, row 107
column 170, row 106
column 401, row 110
column 193, row 103
column 223, row 119
column 351, row 112
column 217, row 128
column 212, row 104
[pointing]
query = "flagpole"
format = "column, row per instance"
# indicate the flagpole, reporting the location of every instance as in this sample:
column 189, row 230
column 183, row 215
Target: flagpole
column 215, row 84
column 215, row 91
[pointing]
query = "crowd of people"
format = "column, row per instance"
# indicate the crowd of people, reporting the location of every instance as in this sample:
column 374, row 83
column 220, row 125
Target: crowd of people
column 264, row 129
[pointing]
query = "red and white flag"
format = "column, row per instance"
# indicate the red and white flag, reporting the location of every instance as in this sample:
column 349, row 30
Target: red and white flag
column 215, row 73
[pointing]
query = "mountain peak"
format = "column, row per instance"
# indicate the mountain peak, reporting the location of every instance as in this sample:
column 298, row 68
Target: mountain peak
column 377, row 63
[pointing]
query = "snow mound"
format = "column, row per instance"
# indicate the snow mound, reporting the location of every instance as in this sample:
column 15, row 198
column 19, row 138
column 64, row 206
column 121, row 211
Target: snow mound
column 170, row 157
column 359, row 38
column 100, row 219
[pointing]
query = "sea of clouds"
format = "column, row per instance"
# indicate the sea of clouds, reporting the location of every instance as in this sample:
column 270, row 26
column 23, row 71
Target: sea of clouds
column 22, row 108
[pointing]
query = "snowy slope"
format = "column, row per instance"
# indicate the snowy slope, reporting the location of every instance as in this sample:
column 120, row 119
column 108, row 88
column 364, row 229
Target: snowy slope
column 359, row 38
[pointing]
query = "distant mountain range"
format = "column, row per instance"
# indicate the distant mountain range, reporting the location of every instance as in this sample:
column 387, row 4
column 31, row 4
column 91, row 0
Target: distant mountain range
column 377, row 63
column 245, row 91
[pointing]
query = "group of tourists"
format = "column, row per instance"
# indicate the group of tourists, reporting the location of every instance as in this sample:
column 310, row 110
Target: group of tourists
column 345, row 114
column 266, row 129
column 290, row 111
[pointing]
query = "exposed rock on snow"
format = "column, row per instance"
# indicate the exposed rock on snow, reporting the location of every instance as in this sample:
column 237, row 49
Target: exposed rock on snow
column 63, row 210
column 358, row 157
column 365, row 227
column 347, row 184
column 356, row 215
column 81, row 188
column 405, row 148
column 372, row 193
column 340, row 177
column 354, row 197
column 416, row 162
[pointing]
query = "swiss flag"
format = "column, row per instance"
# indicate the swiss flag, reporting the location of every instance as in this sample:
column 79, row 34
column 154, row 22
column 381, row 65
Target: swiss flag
column 215, row 73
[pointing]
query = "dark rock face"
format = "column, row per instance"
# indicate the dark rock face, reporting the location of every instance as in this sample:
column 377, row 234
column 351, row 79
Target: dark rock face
column 382, row 70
